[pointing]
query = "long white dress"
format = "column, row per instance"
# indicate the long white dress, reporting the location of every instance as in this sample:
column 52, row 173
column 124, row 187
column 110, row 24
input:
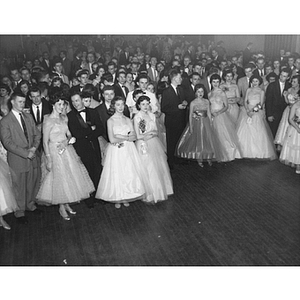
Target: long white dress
column 290, row 152
column 154, row 159
column 226, row 146
column 284, row 122
column 255, row 136
column 123, row 177
column 68, row 180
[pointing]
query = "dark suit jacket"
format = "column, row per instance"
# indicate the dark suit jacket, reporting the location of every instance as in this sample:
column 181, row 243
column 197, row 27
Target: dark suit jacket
column 15, row 142
column 67, row 67
column 257, row 73
column 46, row 67
column 46, row 109
column 75, row 66
column 275, row 103
column 122, row 58
column 169, row 106
column 104, row 116
column 119, row 91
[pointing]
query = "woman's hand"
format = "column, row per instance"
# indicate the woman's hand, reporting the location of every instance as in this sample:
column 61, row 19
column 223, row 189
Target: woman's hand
column 49, row 165
column 72, row 141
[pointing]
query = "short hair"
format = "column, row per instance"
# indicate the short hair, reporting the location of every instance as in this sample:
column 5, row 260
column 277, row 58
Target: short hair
column 121, row 72
column 43, row 86
column 108, row 77
column 173, row 73
column 249, row 66
column 194, row 74
column 64, row 52
column 213, row 70
column 215, row 77
column 136, row 92
column 111, row 63
column 6, row 87
column 285, row 70
column 82, row 72
column 296, row 77
column 16, row 94
column 24, row 68
column 89, row 88
column 271, row 74
column 226, row 72
column 34, row 89
column 200, row 86
column 74, row 92
column 256, row 77
column 23, row 82
column 141, row 99
column 142, row 76
column 54, row 98
column 108, row 88
column 56, row 60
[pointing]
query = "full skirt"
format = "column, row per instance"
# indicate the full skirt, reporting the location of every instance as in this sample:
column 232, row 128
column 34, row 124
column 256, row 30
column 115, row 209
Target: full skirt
column 123, row 178
column 199, row 144
column 68, row 181
column 8, row 202
column 290, row 152
column 255, row 137
column 154, row 159
column 283, row 126
column 226, row 142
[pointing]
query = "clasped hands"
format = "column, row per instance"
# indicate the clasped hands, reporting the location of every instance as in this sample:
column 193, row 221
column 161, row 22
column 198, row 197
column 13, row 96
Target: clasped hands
column 31, row 153
column 183, row 105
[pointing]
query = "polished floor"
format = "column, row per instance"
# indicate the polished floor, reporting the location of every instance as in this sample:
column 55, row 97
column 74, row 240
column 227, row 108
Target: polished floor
column 242, row 213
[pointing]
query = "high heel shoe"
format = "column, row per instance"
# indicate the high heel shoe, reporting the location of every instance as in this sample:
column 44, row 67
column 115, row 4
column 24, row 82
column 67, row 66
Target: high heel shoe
column 126, row 204
column 64, row 215
column 117, row 205
column 4, row 225
column 70, row 210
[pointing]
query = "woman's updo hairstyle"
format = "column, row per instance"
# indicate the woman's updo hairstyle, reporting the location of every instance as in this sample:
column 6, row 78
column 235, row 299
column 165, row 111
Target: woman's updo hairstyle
column 215, row 77
column 256, row 77
column 56, row 97
column 112, row 109
column 141, row 99
column 226, row 72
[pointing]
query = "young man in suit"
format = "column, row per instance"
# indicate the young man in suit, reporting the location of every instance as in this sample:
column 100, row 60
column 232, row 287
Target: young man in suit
column 244, row 82
column 16, row 77
column 275, row 102
column 152, row 72
column 46, row 63
column 76, row 63
column 21, row 138
column 66, row 63
column 173, row 105
column 58, row 69
column 260, row 70
column 120, row 88
column 86, row 126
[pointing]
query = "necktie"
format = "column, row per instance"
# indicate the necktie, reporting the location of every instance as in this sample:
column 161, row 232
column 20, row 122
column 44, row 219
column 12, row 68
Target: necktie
column 38, row 115
column 249, row 84
column 24, row 126
column 178, row 93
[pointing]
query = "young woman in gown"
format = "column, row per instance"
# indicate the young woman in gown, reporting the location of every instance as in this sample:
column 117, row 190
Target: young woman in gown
column 123, row 178
column 227, row 146
column 290, row 96
column 8, row 202
column 232, row 93
column 290, row 152
column 196, row 141
column 255, row 137
column 151, row 151
column 66, row 180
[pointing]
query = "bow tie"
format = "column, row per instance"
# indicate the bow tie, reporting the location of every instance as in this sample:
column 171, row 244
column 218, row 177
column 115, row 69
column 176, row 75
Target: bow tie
column 83, row 110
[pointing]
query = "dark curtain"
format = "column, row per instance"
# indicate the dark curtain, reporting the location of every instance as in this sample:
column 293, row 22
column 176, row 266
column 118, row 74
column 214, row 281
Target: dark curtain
column 274, row 43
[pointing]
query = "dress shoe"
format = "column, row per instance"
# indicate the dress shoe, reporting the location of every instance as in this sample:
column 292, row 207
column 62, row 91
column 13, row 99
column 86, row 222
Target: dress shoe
column 22, row 220
column 70, row 210
column 64, row 214
column 4, row 225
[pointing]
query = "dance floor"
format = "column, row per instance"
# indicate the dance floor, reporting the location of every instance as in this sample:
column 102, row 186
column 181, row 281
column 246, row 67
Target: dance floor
column 242, row 213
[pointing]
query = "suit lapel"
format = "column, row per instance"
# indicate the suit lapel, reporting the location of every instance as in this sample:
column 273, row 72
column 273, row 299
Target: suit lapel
column 18, row 127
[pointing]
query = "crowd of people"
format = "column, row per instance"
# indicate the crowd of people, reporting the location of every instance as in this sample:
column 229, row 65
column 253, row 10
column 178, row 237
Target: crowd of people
column 109, row 121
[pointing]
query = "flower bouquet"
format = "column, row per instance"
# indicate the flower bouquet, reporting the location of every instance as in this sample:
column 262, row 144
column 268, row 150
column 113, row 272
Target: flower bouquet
column 257, row 108
column 142, row 125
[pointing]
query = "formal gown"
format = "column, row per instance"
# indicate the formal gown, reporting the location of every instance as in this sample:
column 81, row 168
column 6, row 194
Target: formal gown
column 123, row 178
column 233, row 108
column 226, row 146
column 255, row 136
column 199, row 144
column 68, row 180
column 8, row 202
column 284, row 122
column 154, row 159
column 290, row 152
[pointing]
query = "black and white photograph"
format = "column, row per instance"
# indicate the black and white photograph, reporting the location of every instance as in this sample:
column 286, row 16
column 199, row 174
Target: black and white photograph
column 158, row 161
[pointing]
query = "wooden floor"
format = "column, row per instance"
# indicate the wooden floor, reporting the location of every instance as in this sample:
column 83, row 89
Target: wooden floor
column 239, row 213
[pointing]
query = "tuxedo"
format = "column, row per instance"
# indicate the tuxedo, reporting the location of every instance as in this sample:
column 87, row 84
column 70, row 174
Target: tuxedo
column 46, row 109
column 119, row 91
column 87, row 145
column 205, row 81
column 14, row 140
column 174, row 119
column 275, row 103
column 104, row 116
column 123, row 60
